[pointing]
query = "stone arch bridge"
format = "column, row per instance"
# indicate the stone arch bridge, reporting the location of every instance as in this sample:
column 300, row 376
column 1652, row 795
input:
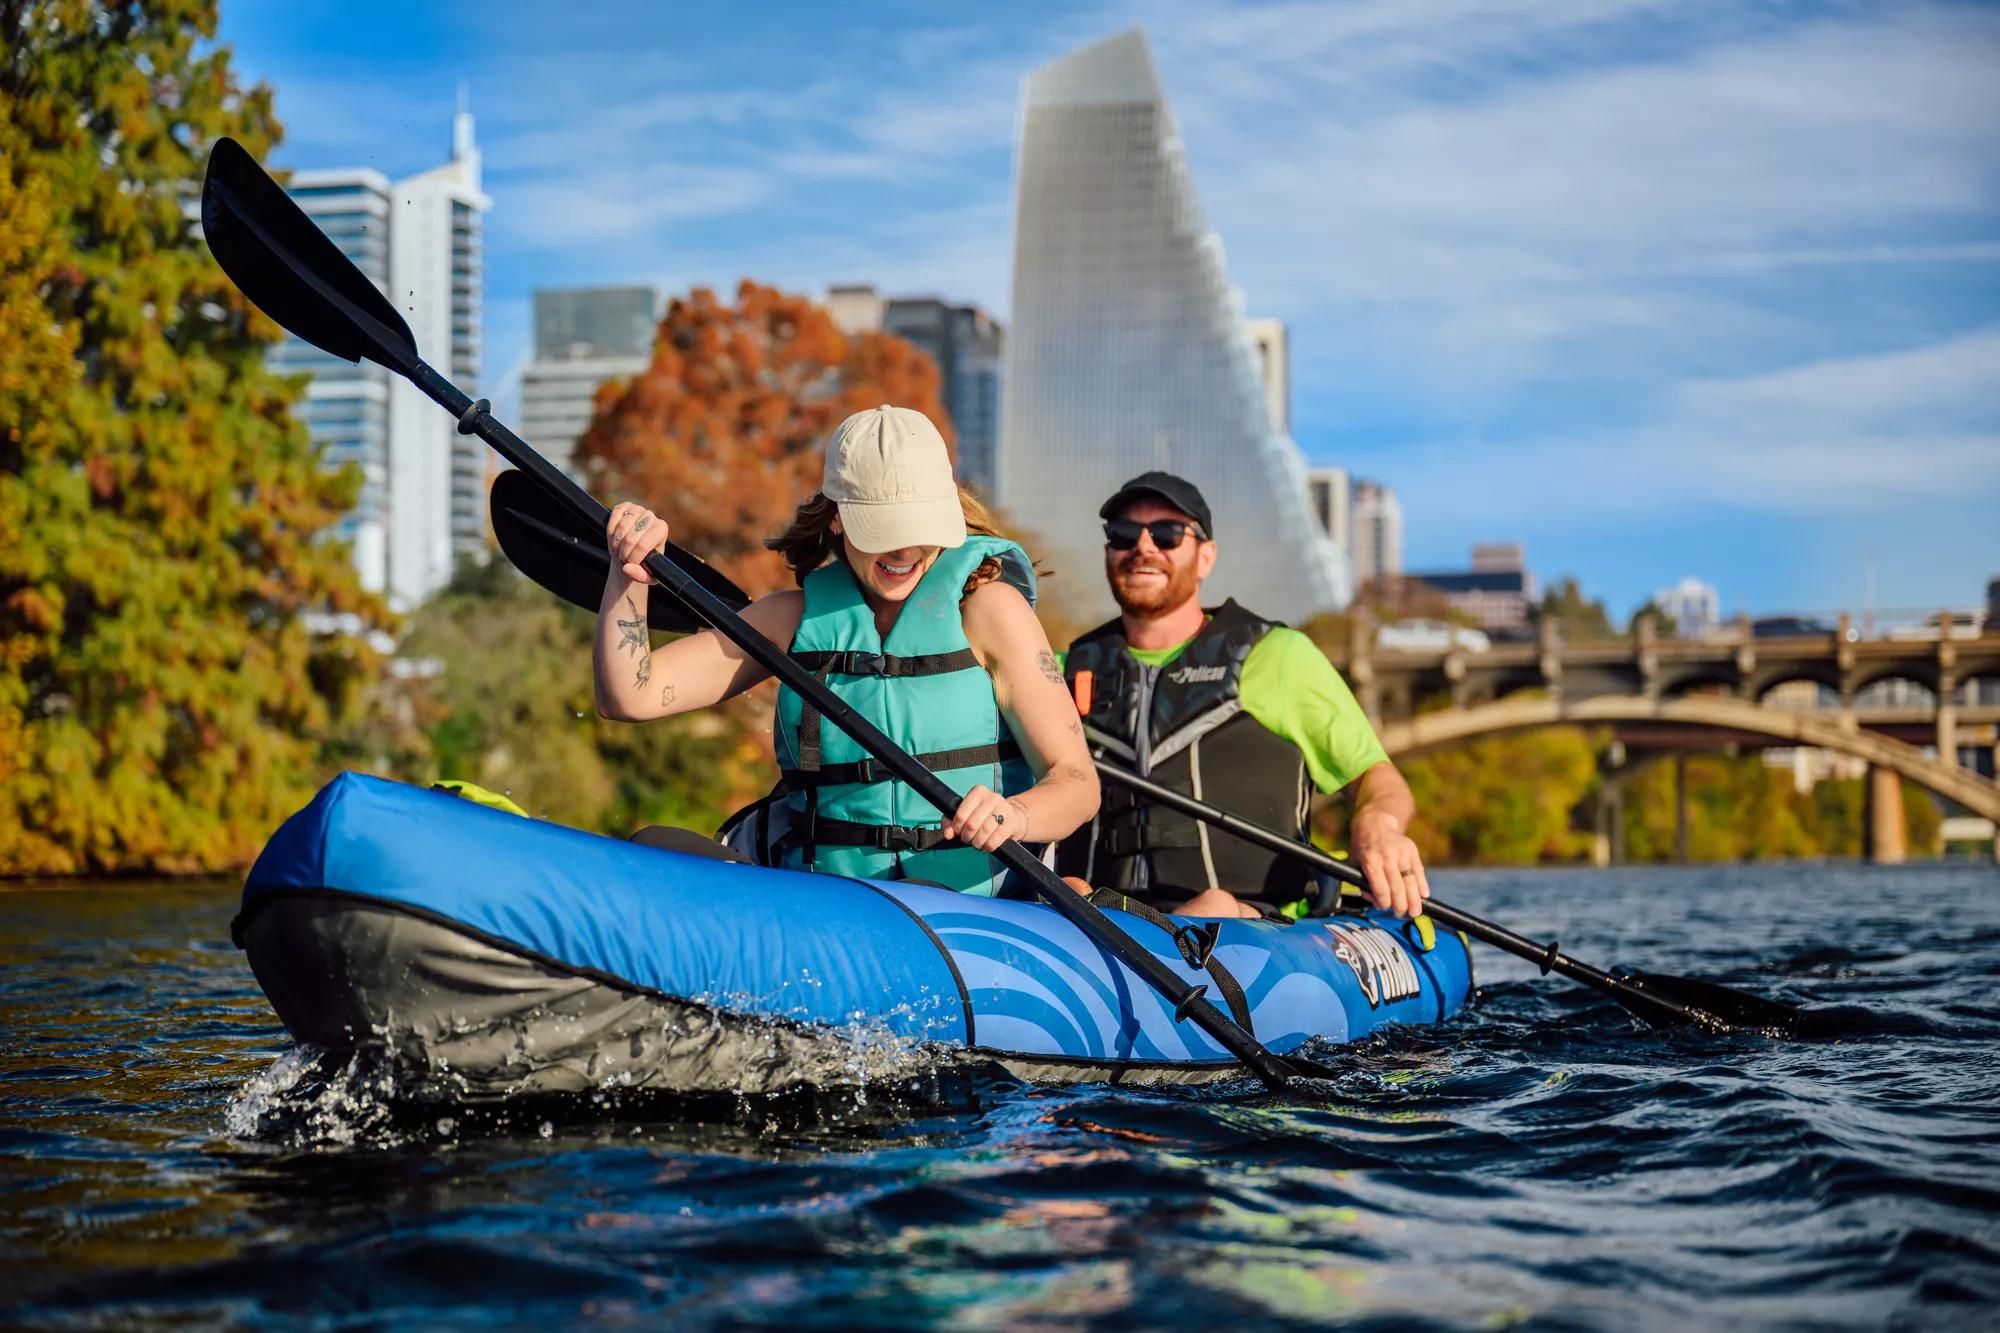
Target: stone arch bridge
column 1715, row 693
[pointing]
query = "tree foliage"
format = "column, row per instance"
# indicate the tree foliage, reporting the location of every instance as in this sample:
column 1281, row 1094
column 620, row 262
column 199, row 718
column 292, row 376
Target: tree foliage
column 721, row 433
column 1577, row 618
column 162, row 515
column 496, row 688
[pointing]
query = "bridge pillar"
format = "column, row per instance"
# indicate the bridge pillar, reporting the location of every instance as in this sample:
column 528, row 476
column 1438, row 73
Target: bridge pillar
column 1681, row 806
column 1607, row 843
column 1947, row 718
column 1885, row 838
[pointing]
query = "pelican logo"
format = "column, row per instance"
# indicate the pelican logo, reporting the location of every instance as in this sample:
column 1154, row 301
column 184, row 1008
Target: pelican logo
column 1194, row 675
column 1378, row 962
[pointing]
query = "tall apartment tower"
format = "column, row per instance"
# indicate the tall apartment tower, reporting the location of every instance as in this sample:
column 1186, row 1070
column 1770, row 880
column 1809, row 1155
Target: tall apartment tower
column 583, row 337
column 1378, row 532
column 1326, row 492
column 1128, row 351
column 437, row 477
column 965, row 342
column 1274, row 366
column 347, row 405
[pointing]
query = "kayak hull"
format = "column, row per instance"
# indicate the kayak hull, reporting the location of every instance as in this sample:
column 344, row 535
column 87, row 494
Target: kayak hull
column 493, row 956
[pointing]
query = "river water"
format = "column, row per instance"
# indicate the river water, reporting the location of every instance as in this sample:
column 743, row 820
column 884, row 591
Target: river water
column 1542, row 1160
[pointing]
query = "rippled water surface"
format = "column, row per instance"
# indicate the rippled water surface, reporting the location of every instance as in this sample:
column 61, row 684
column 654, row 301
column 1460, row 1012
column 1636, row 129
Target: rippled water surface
column 1542, row 1160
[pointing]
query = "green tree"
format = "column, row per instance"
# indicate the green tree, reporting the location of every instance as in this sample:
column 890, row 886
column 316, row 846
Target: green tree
column 495, row 687
column 1577, row 618
column 1664, row 625
column 163, row 517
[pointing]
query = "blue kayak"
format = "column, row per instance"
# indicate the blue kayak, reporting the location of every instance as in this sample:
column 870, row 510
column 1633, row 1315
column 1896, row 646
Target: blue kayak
column 500, row 955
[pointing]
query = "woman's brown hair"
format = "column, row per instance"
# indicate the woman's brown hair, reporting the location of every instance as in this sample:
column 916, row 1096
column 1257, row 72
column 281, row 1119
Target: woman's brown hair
column 810, row 541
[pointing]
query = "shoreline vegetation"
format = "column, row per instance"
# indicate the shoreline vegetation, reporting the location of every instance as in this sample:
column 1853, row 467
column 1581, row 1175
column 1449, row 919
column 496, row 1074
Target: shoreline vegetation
column 186, row 653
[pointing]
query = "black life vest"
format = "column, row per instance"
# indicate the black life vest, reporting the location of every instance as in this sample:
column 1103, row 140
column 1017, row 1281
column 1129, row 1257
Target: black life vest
column 1183, row 725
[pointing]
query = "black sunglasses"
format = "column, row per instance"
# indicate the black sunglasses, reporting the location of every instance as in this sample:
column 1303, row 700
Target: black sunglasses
column 1122, row 534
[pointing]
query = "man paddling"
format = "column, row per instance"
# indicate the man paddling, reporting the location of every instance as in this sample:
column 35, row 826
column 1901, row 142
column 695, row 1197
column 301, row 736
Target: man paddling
column 1225, row 706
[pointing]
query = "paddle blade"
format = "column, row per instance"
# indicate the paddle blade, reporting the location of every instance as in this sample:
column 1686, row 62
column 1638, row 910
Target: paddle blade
column 1735, row 1010
column 548, row 543
column 282, row 261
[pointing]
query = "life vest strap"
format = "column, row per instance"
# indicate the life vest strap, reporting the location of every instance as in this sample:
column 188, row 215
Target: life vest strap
column 881, row 837
column 847, row 663
column 873, row 770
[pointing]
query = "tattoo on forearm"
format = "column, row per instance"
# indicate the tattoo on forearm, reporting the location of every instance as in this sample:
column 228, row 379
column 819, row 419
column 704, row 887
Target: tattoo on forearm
column 1076, row 773
column 632, row 633
column 1046, row 660
column 667, row 696
column 1075, row 727
column 645, row 668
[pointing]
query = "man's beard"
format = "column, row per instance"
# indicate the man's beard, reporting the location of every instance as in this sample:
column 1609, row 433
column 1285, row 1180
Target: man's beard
column 1152, row 599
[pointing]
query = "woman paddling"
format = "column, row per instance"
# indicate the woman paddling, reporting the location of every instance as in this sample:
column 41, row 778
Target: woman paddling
column 916, row 613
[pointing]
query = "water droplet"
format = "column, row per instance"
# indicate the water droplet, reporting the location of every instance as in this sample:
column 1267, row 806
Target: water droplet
column 547, row 1131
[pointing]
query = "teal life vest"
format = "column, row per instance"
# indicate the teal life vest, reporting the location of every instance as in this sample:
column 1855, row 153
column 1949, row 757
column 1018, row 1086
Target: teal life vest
column 926, row 690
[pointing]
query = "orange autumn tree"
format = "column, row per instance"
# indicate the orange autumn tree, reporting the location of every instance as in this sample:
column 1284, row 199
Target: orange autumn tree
column 721, row 434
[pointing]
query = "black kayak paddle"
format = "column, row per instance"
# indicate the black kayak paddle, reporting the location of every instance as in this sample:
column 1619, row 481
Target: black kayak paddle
column 548, row 545
column 1663, row 1001
column 290, row 270
column 545, row 540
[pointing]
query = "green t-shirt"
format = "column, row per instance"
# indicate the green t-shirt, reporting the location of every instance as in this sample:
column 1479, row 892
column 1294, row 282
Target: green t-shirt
column 1290, row 687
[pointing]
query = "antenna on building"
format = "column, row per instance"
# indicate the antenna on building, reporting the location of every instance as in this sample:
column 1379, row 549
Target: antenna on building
column 461, row 124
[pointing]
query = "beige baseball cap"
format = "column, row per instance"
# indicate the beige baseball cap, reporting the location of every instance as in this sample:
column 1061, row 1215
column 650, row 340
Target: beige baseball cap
column 888, row 470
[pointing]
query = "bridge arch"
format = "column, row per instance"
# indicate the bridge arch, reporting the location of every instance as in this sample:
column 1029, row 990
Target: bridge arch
column 1429, row 731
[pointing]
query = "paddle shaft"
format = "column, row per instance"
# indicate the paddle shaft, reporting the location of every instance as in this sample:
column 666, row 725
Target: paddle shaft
column 1187, row 999
column 1548, row 956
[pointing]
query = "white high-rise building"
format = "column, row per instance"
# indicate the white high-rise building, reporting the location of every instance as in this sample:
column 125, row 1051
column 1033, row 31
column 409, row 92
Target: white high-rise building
column 1128, row 350
column 1694, row 606
column 1378, row 533
column 583, row 337
column 1274, row 365
column 347, row 404
column 437, row 477
column 1326, row 489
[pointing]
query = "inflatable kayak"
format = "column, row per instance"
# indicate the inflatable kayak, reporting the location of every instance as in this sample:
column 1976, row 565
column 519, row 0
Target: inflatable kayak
column 497, row 955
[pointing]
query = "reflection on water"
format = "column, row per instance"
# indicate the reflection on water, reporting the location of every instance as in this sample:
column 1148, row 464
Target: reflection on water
column 169, row 1155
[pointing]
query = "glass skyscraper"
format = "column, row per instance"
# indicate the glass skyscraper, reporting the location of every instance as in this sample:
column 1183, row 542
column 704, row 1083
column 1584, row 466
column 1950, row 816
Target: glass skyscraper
column 583, row 337
column 965, row 343
column 1128, row 348
column 347, row 405
column 423, row 495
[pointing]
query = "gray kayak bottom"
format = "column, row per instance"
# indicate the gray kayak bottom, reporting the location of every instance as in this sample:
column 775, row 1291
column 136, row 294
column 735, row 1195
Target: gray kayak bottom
column 462, row 1018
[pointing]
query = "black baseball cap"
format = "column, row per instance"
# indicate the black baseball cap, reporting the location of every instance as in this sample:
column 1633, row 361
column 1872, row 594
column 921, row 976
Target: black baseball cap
column 1176, row 491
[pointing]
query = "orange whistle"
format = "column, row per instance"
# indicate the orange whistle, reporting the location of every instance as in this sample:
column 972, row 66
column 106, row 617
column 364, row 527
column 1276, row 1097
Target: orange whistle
column 1080, row 690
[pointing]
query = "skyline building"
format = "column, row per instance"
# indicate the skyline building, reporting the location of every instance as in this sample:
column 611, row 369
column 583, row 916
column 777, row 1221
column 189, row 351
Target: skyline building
column 1327, row 492
column 423, row 492
column 1694, row 606
column 584, row 336
column 437, row 477
column 1498, row 592
column 1274, row 367
column 346, row 405
column 1128, row 350
column 1377, row 533
column 963, row 340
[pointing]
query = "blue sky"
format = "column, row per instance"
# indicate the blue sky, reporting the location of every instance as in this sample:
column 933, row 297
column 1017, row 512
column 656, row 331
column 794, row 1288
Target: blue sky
column 1656, row 287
